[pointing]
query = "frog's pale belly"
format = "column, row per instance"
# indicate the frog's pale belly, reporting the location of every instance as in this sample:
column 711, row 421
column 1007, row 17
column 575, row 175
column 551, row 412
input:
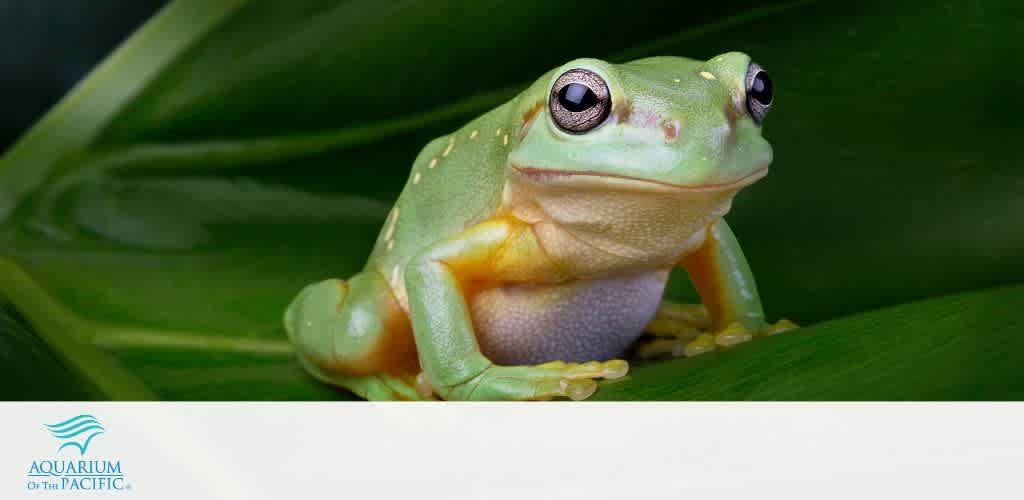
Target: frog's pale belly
column 587, row 320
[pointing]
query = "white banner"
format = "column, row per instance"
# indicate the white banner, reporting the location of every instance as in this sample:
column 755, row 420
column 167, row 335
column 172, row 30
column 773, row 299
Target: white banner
column 312, row 451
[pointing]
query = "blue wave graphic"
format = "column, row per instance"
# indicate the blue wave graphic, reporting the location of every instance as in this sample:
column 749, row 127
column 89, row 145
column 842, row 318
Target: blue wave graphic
column 70, row 421
column 74, row 426
column 77, row 431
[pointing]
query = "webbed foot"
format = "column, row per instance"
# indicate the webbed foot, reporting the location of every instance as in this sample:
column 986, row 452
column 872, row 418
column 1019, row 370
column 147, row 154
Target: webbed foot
column 556, row 379
column 685, row 330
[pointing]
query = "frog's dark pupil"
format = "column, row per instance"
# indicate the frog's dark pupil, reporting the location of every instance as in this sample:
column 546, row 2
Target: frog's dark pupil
column 761, row 88
column 577, row 97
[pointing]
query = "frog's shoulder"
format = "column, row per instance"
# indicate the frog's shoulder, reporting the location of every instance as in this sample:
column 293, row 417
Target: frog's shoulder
column 455, row 181
column 430, row 151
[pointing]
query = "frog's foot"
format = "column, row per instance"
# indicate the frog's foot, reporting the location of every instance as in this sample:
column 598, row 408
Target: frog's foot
column 690, row 343
column 679, row 321
column 556, row 379
column 377, row 387
column 674, row 327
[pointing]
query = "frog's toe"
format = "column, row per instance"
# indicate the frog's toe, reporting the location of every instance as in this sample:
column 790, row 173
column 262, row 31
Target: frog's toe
column 660, row 348
column 556, row 379
column 782, row 325
column 535, row 389
column 690, row 343
column 675, row 347
column 612, row 369
column 575, row 381
column 704, row 343
column 576, row 389
column 557, row 388
column 679, row 321
column 732, row 334
column 385, row 387
column 700, row 343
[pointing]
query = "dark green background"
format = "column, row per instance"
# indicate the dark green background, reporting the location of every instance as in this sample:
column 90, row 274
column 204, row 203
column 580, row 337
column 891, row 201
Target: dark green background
column 46, row 46
column 264, row 144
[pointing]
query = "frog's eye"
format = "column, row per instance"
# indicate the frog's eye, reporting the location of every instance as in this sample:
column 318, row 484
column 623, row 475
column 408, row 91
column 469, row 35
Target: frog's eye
column 759, row 92
column 580, row 101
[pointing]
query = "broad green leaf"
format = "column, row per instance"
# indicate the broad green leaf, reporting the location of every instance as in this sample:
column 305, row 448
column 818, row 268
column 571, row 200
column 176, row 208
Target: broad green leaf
column 232, row 151
column 959, row 347
column 51, row 336
column 39, row 372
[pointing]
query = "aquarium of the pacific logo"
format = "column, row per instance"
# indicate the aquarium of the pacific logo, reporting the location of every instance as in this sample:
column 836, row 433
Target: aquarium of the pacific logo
column 69, row 469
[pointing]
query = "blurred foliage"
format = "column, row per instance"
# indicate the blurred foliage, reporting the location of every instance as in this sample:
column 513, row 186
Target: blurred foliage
column 46, row 46
column 232, row 151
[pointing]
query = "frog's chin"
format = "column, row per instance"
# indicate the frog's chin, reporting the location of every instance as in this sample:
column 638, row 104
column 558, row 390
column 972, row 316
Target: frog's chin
column 584, row 179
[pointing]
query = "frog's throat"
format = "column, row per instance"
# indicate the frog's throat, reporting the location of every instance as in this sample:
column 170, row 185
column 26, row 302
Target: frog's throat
column 596, row 225
column 579, row 178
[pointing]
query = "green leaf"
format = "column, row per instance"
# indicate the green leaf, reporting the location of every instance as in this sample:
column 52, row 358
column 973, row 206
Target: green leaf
column 84, row 371
column 157, row 221
column 41, row 374
column 959, row 347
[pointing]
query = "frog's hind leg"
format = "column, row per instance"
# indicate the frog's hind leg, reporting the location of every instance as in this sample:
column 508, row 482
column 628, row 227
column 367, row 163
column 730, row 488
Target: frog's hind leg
column 353, row 334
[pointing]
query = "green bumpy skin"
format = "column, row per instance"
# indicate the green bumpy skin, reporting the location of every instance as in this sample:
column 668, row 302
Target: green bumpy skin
column 530, row 248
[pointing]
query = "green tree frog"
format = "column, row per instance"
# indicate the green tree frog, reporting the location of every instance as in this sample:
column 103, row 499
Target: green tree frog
column 529, row 250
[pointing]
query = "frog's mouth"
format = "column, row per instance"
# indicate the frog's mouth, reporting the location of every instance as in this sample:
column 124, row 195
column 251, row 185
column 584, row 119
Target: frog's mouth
column 580, row 178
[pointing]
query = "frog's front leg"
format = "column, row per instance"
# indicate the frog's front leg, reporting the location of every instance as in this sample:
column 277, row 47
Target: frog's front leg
column 436, row 281
column 731, row 312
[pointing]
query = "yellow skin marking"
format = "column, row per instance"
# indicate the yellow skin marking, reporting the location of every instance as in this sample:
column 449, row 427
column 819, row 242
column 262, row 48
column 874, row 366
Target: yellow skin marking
column 391, row 225
column 569, row 233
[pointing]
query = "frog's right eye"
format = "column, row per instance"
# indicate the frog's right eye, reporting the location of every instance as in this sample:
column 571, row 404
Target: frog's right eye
column 759, row 92
column 580, row 101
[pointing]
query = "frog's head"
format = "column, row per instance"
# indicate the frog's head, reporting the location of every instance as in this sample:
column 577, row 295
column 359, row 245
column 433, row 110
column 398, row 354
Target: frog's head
column 638, row 158
column 664, row 120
